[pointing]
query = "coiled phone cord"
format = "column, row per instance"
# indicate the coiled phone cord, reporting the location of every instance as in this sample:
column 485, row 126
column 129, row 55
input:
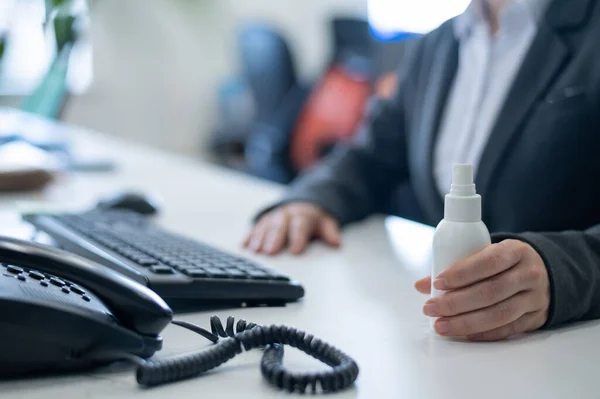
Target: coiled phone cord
column 343, row 373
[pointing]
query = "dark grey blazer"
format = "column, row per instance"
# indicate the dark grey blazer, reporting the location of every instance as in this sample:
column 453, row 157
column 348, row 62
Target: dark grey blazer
column 540, row 170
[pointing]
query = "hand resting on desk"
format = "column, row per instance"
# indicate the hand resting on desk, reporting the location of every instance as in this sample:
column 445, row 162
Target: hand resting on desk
column 501, row 291
column 292, row 225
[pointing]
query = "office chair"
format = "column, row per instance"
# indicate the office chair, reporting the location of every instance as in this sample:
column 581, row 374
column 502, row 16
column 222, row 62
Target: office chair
column 307, row 121
column 268, row 77
column 267, row 67
column 351, row 37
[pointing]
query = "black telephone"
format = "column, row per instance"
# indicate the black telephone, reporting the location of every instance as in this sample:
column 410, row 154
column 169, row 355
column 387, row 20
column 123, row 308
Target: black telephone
column 58, row 311
column 61, row 312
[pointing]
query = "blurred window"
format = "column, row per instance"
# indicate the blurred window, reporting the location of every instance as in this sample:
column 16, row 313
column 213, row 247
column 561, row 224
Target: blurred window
column 391, row 19
column 31, row 48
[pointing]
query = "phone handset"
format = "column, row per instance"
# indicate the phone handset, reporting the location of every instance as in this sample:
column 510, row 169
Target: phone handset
column 134, row 305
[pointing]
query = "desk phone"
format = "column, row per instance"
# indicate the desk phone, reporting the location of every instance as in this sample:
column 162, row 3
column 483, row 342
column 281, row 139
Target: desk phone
column 62, row 312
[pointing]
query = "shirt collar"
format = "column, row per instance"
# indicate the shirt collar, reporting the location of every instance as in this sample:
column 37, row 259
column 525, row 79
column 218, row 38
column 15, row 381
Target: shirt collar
column 464, row 23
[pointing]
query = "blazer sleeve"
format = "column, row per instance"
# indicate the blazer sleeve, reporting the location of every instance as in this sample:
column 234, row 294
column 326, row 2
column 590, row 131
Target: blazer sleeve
column 572, row 259
column 356, row 179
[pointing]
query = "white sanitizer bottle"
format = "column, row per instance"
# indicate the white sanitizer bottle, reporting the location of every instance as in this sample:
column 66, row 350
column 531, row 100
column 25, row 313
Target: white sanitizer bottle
column 461, row 233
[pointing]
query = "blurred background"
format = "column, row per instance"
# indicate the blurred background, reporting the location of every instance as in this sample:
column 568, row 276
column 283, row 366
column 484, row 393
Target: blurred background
column 263, row 86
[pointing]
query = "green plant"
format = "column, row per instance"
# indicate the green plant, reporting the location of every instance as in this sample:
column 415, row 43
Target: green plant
column 2, row 45
column 63, row 22
column 48, row 98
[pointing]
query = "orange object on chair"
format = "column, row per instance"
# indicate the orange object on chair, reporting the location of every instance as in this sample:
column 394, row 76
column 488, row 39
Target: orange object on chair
column 332, row 114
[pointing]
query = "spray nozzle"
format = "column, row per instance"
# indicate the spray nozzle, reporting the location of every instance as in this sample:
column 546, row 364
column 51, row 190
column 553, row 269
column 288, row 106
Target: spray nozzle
column 462, row 180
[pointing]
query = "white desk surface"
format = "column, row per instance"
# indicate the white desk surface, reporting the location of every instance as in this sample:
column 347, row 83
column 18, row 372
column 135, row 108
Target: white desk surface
column 360, row 298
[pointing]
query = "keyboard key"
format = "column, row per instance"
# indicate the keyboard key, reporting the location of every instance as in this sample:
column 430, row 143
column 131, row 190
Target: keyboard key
column 237, row 274
column 196, row 273
column 185, row 265
column 279, row 277
column 258, row 274
column 230, row 267
column 147, row 261
column 168, row 259
column 134, row 255
column 246, row 265
column 216, row 272
column 203, row 263
column 161, row 270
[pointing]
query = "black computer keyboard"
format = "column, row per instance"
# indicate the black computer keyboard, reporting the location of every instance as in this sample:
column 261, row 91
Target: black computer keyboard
column 176, row 268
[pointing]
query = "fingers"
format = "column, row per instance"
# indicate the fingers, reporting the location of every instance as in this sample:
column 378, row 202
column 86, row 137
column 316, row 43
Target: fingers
column 492, row 260
column 479, row 295
column 527, row 322
column 277, row 234
column 252, row 234
column 270, row 233
column 293, row 225
column 329, row 231
column 424, row 285
column 501, row 291
column 255, row 239
column 300, row 231
column 493, row 317
column 246, row 242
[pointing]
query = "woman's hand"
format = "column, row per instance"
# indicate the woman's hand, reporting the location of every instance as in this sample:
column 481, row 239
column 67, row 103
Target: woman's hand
column 292, row 225
column 501, row 291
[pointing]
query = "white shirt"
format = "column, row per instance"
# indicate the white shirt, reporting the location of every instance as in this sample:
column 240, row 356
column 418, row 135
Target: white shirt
column 487, row 67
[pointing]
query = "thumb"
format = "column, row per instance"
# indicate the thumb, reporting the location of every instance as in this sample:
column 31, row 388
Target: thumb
column 329, row 231
column 424, row 285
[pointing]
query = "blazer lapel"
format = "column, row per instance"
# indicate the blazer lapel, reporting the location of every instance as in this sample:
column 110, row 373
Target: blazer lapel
column 548, row 55
column 441, row 76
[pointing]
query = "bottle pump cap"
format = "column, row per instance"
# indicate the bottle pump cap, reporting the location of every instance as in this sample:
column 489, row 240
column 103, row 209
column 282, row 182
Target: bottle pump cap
column 462, row 180
column 462, row 204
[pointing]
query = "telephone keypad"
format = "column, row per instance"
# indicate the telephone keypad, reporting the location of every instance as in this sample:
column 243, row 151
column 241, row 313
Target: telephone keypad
column 46, row 280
